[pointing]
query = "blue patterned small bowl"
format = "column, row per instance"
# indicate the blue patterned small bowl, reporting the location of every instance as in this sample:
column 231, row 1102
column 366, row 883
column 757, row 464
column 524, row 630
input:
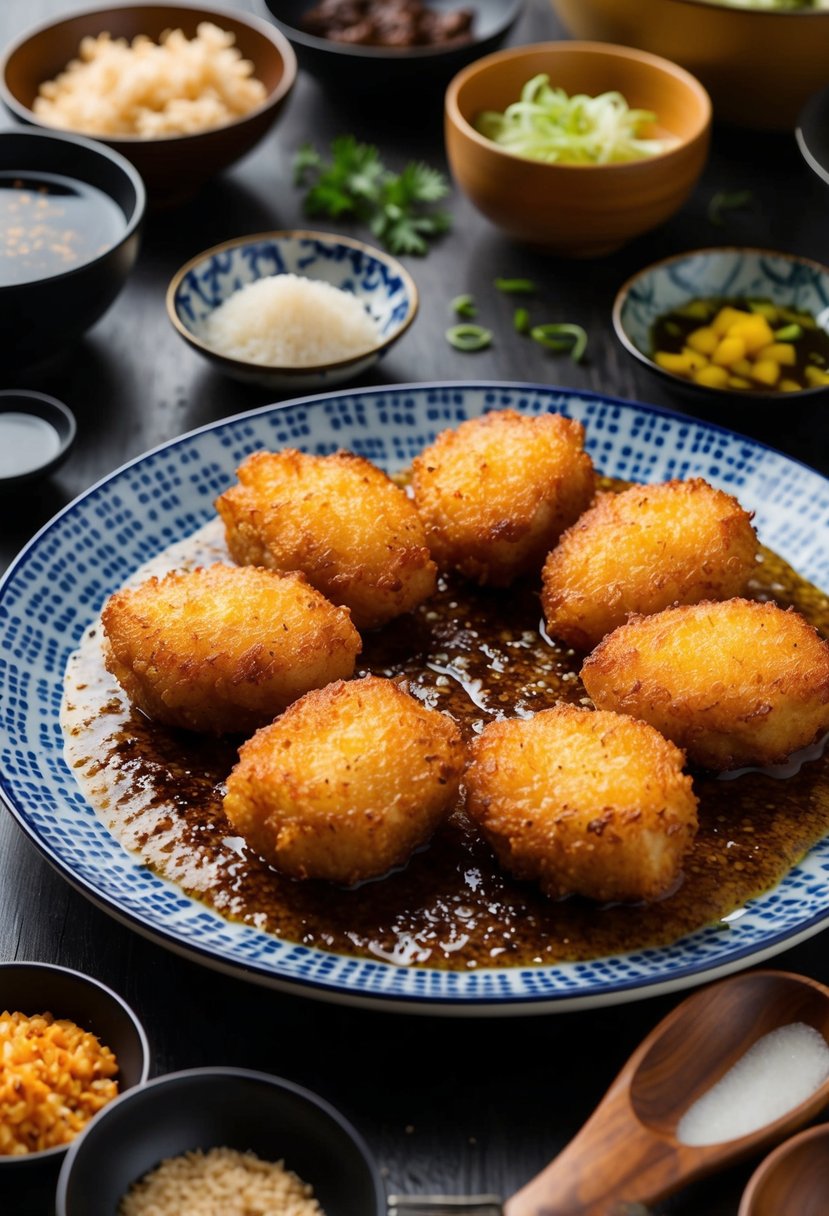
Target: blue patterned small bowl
column 727, row 273
column 385, row 288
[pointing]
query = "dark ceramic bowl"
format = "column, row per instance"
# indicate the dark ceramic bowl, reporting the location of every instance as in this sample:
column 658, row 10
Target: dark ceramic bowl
column 27, row 1183
column 812, row 134
column 174, row 167
column 36, row 433
column 401, row 75
column 43, row 315
column 211, row 1107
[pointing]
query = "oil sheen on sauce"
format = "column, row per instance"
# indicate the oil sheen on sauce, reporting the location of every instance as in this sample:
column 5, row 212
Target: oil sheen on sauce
column 478, row 655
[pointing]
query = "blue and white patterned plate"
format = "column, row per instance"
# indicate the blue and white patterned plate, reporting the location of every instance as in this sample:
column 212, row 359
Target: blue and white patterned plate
column 57, row 585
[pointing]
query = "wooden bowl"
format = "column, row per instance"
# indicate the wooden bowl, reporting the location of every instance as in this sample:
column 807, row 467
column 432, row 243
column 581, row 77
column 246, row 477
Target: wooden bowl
column 577, row 210
column 793, row 1180
column 758, row 65
column 173, row 167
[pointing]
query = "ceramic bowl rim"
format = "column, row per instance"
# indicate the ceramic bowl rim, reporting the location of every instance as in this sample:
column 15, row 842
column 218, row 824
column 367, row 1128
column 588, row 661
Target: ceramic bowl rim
column 66, row 432
column 216, row 1073
column 691, row 84
column 277, row 235
column 277, row 39
column 723, row 394
column 105, row 152
column 58, row 1150
column 743, row 13
column 513, row 9
column 815, row 108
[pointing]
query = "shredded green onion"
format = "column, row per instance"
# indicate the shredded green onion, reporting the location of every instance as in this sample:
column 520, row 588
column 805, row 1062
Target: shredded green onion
column 723, row 201
column 789, row 333
column 469, row 337
column 521, row 321
column 546, row 124
column 464, row 306
column 560, row 337
column 516, row 287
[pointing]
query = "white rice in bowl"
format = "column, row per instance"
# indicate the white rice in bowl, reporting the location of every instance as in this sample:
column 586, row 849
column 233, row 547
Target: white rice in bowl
column 286, row 320
column 221, row 1182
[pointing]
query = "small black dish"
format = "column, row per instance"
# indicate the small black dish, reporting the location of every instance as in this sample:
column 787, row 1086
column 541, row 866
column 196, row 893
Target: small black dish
column 207, row 1108
column 45, row 310
column 404, row 75
column 812, row 134
column 36, row 433
column 27, row 1183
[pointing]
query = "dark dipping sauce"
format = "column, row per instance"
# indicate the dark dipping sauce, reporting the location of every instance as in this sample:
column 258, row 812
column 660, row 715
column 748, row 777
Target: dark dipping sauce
column 477, row 655
column 50, row 224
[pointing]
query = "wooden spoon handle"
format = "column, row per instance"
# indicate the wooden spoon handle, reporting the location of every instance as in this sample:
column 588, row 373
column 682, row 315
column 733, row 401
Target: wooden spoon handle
column 612, row 1162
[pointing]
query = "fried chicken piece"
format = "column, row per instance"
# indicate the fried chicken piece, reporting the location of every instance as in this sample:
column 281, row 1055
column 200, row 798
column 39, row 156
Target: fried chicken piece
column 347, row 782
column 642, row 550
column 496, row 493
column 734, row 683
column 222, row 649
column 583, row 802
column 339, row 519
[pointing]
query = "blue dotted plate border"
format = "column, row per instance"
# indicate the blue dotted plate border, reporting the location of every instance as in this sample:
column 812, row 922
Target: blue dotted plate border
column 58, row 583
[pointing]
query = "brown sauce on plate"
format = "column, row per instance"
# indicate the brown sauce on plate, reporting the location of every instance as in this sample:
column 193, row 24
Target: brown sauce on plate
column 477, row 655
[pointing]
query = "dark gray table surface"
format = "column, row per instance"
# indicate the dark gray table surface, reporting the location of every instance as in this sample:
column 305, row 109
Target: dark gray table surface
column 460, row 1105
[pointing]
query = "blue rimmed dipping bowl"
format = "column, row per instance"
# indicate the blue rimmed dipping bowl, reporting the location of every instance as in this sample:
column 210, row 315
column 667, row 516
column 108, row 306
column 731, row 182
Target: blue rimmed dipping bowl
column 379, row 281
column 718, row 273
column 27, row 1182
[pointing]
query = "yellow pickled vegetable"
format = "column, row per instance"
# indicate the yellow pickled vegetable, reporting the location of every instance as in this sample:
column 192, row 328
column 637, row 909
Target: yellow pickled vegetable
column 712, row 377
column 766, row 371
column 729, row 351
column 703, row 340
column 782, row 352
column 754, row 330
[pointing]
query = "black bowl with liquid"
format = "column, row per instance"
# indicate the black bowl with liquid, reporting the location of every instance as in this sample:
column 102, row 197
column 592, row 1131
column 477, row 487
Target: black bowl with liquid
column 206, row 1108
column 70, row 215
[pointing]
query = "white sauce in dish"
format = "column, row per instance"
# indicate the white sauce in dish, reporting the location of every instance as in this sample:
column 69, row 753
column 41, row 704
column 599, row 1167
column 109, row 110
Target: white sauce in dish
column 27, row 442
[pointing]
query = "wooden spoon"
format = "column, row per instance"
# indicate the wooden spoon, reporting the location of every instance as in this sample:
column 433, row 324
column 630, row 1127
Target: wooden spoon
column 628, row 1151
column 793, row 1180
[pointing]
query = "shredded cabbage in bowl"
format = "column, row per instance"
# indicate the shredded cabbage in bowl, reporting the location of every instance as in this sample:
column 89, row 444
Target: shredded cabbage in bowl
column 546, row 124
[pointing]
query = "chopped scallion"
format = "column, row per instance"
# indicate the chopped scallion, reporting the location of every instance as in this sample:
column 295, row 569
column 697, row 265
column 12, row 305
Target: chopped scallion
column 521, row 321
column 469, row 337
column 464, row 306
column 725, row 201
column 789, row 333
column 516, row 287
column 561, row 337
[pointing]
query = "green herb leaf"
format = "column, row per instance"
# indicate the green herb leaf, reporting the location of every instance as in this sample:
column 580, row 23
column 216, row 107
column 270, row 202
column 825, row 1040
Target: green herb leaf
column 722, row 201
column 464, row 306
column 469, row 337
column 355, row 182
column 516, row 287
column 560, row 337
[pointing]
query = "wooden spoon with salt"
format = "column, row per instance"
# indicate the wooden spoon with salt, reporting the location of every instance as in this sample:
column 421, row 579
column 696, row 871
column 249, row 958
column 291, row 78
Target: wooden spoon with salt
column 629, row 1152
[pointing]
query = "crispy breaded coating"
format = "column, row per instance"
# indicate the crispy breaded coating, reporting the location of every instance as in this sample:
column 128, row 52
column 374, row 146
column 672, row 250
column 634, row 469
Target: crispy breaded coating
column 583, row 802
column 642, row 550
column 734, row 683
column 347, row 782
column 496, row 493
column 339, row 519
column 224, row 649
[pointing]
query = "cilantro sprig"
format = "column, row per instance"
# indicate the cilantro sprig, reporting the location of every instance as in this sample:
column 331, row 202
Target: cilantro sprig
column 398, row 208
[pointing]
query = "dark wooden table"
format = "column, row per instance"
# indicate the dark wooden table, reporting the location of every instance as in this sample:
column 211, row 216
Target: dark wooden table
column 463, row 1105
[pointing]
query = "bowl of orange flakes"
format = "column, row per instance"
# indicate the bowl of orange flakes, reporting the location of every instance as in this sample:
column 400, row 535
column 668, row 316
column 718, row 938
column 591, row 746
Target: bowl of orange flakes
column 69, row 1046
